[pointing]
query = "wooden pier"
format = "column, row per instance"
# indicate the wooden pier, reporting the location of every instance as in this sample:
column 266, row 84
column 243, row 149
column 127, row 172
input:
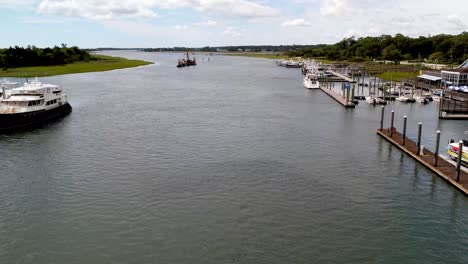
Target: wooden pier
column 337, row 97
column 443, row 169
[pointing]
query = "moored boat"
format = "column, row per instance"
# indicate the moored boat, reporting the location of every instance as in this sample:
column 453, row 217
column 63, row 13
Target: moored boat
column 421, row 99
column 31, row 104
column 453, row 149
column 311, row 81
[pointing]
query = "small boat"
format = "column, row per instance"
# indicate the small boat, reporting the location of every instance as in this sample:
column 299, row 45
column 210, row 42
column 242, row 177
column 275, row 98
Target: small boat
column 31, row 104
column 421, row 99
column 453, row 148
column 293, row 64
column 311, row 82
column 402, row 98
column 380, row 101
column 371, row 100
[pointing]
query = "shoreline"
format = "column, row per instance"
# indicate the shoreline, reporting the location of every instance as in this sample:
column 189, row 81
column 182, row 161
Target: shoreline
column 103, row 63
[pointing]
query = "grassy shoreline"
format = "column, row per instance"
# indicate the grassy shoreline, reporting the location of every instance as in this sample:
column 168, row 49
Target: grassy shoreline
column 102, row 63
column 257, row 55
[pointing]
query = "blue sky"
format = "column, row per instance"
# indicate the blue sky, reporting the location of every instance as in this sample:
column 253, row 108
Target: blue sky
column 197, row 23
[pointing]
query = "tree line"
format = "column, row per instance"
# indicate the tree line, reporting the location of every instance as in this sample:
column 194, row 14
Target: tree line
column 441, row 48
column 14, row 57
column 242, row 48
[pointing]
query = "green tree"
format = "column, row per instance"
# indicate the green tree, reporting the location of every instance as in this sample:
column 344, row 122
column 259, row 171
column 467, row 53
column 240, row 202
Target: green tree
column 392, row 53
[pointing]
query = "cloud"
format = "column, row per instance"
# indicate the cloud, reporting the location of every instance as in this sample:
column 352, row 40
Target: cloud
column 112, row 9
column 346, row 8
column 207, row 23
column 180, row 27
column 300, row 22
column 97, row 9
column 456, row 21
column 232, row 32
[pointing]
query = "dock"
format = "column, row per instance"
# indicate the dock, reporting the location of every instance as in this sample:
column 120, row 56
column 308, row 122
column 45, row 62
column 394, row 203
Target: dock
column 343, row 77
column 337, row 97
column 443, row 169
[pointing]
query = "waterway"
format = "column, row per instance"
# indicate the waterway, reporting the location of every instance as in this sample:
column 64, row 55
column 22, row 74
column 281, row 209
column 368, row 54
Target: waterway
column 231, row 161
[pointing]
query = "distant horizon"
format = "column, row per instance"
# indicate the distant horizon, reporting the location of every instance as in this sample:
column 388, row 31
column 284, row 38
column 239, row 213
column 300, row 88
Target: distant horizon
column 219, row 23
column 224, row 46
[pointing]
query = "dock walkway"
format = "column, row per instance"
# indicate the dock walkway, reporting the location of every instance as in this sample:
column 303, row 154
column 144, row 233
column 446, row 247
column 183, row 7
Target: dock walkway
column 337, row 97
column 444, row 169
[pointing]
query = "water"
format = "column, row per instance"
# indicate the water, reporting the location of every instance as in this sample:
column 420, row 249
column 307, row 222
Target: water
column 232, row 161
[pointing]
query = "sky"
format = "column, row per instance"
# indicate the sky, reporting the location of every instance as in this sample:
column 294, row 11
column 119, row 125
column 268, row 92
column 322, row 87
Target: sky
column 199, row 23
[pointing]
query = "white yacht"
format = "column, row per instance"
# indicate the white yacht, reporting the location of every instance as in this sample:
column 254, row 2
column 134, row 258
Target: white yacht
column 311, row 81
column 33, row 103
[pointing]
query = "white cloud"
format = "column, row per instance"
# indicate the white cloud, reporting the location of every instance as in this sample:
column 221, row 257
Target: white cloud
column 456, row 21
column 207, row 23
column 97, row 9
column 232, row 32
column 110, row 9
column 300, row 22
column 180, row 27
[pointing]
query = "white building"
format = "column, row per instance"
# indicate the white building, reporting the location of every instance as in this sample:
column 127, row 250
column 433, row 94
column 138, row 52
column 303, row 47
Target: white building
column 456, row 77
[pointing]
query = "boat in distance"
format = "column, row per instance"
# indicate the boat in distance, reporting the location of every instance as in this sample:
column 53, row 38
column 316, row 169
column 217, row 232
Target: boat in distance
column 186, row 62
column 32, row 104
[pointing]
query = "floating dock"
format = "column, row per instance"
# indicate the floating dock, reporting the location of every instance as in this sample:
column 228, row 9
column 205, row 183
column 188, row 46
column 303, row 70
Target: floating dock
column 444, row 169
column 337, row 97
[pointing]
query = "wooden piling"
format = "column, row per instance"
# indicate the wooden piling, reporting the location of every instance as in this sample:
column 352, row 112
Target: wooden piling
column 444, row 169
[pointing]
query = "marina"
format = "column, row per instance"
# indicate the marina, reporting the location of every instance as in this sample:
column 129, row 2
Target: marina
column 243, row 164
column 233, row 132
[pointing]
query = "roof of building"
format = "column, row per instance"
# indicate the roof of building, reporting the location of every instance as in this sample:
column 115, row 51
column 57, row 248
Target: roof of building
column 459, row 70
column 464, row 64
column 429, row 77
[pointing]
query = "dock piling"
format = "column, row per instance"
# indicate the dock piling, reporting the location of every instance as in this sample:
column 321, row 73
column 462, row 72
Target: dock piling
column 453, row 174
column 404, row 130
column 382, row 118
column 419, row 137
column 391, row 123
column 460, row 152
column 436, row 153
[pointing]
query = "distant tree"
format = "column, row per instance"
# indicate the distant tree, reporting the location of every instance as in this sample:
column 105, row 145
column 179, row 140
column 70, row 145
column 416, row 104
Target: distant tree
column 33, row 56
column 392, row 53
column 436, row 56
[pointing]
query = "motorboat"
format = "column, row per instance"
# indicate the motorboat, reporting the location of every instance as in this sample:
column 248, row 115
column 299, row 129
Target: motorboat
column 402, row 98
column 375, row 100
column 311, row 81
column 453, row 150
column 421, row 99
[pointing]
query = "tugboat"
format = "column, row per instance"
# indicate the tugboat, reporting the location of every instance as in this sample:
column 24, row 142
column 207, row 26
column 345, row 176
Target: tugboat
column 31, row 104
column 186, row 62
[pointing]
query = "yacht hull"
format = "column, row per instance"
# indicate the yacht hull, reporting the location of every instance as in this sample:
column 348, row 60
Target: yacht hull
column 14, row 121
